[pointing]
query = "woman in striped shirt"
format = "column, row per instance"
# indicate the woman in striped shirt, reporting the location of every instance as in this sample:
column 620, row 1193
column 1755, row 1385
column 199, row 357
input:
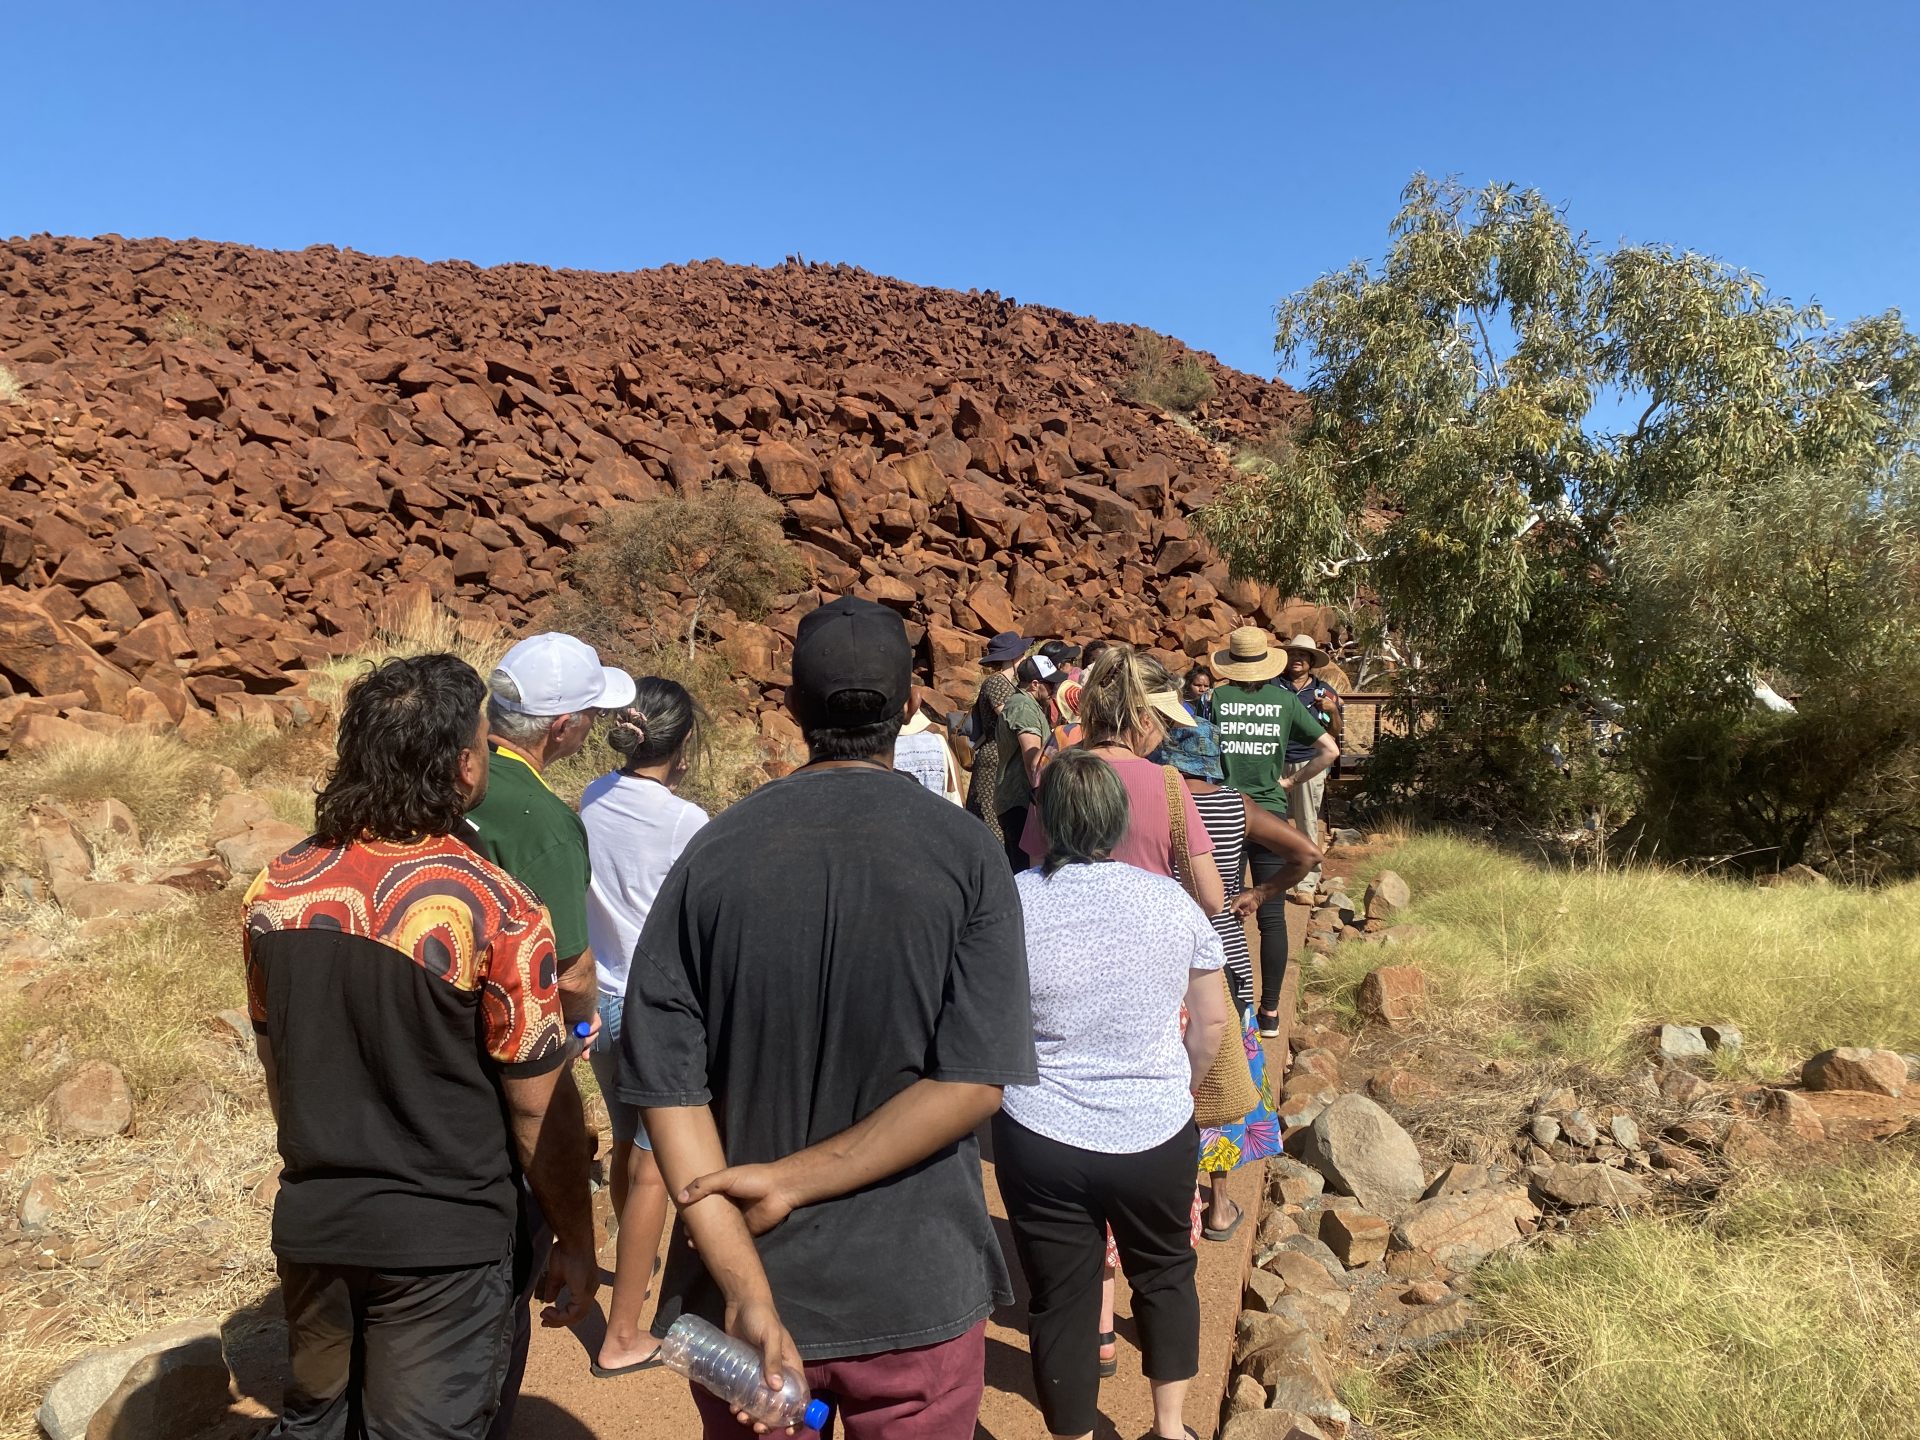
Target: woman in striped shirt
column 1231, row 819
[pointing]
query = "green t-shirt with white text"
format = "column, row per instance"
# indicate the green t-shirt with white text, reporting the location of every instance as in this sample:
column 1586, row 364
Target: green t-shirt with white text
column 1255, row 725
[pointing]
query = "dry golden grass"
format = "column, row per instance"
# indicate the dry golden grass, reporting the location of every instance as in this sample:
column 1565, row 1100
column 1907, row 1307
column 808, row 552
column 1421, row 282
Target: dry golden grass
column 158, row 1228
column 10, row 391
column 1788, row 1311
column 159, row 1225
column 1527, row 960
column 419, row 630
column 162, row 781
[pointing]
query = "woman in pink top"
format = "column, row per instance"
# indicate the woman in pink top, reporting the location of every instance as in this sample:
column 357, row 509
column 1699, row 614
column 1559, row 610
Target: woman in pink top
column 1127, row 701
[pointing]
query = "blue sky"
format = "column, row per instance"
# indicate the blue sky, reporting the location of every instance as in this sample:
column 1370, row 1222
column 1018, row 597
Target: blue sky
column 1177, row 166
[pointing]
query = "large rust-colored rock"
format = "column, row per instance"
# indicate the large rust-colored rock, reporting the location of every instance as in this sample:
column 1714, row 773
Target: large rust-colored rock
column 1395, row 995
column 55, row 658
column 1855, row 1067
column 1363, row 1152
column 1462, row 1228
column 1578, row 1185
column 1856, row 1115
column 101, row 898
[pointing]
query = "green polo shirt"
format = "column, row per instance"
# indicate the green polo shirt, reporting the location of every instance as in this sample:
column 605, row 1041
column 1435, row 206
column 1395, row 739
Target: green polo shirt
column 1021, row 715
column 535, row 836
column 1255, row 725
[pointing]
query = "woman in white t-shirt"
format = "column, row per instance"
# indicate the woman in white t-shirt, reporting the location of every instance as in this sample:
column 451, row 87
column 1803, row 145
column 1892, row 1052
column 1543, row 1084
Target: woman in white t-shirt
column 636, row 829
column 1106, row 1138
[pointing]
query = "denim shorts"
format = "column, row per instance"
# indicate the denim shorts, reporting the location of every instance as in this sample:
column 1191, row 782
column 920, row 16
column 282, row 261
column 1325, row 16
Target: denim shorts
column 604, row 1058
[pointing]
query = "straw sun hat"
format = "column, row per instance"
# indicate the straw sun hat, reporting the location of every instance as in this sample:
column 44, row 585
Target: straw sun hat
column 1249, row 658
column 1312, row 647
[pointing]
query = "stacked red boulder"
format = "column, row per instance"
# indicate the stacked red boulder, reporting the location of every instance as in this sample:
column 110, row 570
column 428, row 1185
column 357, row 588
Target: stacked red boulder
column 220, row 466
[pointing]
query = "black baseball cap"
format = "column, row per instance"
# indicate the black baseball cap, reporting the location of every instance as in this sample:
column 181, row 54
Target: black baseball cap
column 845, row 653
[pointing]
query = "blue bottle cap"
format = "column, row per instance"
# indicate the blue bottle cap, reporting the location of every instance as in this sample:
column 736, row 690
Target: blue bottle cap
column 583, row 1028
column 818, row 1413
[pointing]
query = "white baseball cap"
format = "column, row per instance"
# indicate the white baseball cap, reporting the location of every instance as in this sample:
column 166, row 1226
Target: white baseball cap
column 559, row 675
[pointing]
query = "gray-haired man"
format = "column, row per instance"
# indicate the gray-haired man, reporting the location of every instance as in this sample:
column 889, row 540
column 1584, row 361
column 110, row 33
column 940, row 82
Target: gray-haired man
column 541, row 702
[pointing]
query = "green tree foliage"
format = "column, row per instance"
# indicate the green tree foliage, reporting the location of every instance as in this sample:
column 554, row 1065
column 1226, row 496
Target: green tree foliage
column 1464, row 490
column 1810, row 580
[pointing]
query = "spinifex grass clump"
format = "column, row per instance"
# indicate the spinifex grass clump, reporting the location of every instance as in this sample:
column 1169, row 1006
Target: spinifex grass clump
column 1790, row 1312
column 1528, row 959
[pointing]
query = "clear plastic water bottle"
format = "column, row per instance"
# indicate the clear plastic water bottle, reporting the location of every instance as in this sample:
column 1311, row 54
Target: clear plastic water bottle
column 730, row 1369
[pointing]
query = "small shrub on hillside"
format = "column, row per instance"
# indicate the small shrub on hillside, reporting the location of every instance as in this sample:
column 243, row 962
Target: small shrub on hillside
column 1274, row 449
column 725, row 547
column 184, row 325
column 424, row 629
column 1177, row 382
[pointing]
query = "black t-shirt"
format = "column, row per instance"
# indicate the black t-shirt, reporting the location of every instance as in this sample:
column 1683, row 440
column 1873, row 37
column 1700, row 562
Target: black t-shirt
column 397, row 984
column 819, row 947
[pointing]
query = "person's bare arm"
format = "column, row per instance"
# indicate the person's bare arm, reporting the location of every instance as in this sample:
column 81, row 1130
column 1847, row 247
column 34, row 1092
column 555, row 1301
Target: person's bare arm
column 1326, row 750
column 1337, row 715
column 550, row 1133
column 580, row 994
column 1208, row 1016
column 686, row 1144
column 1031, row 755
column 1282, row 838
column 927, row 1116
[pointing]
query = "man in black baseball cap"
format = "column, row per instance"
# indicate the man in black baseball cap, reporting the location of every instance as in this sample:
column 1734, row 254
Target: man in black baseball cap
column 834, row 978
column 852, row 666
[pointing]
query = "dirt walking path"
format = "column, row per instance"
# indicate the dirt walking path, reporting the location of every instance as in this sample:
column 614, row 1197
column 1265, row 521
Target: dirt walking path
column 562, row 1401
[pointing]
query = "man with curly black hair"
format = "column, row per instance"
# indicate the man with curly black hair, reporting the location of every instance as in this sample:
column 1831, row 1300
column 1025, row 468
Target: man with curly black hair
column 405, row 998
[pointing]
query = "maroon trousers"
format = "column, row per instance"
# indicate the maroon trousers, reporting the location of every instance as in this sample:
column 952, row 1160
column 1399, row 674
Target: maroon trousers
column 932, row 1393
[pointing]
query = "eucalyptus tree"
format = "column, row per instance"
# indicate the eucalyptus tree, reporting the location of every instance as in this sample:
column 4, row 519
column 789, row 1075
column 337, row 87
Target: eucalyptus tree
column 1498, row 410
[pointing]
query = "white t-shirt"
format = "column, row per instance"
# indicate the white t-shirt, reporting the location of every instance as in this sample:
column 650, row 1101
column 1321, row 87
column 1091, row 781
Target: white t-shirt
column 924, row 755
column 636, row 829
column 1109, row 948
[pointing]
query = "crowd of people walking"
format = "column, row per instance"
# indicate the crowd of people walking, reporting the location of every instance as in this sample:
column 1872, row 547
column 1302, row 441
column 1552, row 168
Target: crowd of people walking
column 803, row 1015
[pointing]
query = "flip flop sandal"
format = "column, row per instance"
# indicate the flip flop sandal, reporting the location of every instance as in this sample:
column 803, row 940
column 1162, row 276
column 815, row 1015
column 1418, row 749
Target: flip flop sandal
column 601, row 1372
column 1225, row 1232
column 1109, row 1365
column 1154, row 1435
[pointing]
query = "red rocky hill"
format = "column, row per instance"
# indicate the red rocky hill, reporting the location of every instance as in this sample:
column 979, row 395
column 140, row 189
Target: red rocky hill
column 222, row 465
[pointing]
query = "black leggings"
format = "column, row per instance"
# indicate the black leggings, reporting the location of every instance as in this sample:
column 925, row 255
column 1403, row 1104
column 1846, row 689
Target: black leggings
column 1013, row 824
column 1060, row 1201
column 1272, row 920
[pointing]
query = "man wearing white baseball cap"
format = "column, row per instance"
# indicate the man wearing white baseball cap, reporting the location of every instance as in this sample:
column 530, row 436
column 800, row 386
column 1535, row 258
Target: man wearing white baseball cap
column 541, row 703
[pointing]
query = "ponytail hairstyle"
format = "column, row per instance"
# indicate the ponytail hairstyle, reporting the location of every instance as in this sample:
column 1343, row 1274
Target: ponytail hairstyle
column 1113, row 696
column 660, row 723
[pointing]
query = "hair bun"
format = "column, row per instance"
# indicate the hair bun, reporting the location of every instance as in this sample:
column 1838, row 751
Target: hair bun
column 627, row 735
